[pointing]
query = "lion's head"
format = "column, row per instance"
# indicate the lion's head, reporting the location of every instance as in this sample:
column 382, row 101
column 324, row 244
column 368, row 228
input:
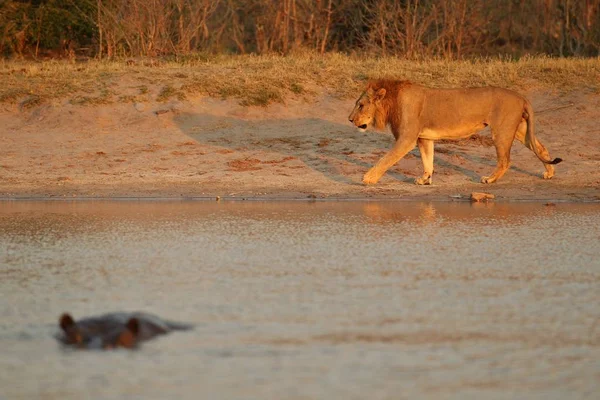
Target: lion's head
column 368, row 109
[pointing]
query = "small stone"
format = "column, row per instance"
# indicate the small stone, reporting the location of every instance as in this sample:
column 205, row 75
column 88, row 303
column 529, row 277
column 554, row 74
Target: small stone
column 479, row 196
column 139, row 106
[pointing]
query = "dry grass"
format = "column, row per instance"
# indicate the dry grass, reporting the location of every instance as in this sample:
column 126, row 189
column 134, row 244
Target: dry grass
column 261, row 80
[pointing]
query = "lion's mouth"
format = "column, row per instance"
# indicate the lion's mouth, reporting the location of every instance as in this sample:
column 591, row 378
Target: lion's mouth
column 363, row 126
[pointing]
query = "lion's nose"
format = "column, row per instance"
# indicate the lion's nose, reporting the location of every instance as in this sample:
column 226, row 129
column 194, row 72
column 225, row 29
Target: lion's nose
column 350, row 119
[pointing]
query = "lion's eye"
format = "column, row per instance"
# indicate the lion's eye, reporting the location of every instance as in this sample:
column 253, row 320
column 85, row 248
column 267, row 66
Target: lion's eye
column 360, row 107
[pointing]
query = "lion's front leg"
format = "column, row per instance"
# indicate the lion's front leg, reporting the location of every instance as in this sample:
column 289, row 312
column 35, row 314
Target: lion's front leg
column 426, row 150
column 387, row 161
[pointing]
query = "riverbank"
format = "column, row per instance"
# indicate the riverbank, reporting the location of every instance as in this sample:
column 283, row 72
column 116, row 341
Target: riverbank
column 151, row 141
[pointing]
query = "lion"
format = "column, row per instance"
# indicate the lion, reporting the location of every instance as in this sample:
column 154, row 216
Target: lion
column 419, row 115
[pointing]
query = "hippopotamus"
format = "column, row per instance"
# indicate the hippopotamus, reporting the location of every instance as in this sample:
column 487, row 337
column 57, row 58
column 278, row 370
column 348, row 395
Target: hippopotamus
column 114, row 330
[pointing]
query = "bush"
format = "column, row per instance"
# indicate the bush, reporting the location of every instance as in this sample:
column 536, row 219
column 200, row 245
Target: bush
column 406, row 28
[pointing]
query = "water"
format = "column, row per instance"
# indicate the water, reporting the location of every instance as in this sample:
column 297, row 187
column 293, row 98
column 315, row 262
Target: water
column 306, row 300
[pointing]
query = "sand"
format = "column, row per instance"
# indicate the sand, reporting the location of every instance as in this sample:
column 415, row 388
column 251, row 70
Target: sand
column 205, row 147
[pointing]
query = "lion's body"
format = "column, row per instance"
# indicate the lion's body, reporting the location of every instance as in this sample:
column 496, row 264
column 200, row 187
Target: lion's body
column 419, row 115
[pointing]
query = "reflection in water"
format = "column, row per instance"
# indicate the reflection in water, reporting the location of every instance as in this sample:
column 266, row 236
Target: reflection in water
column 54, row 218
column 306, row 300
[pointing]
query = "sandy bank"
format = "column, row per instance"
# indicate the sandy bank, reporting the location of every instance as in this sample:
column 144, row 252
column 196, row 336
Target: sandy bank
column 203, row 147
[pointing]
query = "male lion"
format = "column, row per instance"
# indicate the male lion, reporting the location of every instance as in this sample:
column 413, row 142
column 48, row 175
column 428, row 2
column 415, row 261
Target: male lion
column 418, row 115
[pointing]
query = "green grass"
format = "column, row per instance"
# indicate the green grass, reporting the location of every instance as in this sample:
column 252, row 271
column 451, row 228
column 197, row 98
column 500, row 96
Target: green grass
column 262, row 80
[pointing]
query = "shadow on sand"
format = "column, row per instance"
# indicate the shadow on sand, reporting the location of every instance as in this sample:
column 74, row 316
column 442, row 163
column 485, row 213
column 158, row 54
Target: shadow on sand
column 318, row 143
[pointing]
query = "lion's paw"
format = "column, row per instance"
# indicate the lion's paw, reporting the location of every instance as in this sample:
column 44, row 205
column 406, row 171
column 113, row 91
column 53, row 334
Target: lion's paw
column 548, row 175
column 486, row 179
column 370, row 178
column 424, row 180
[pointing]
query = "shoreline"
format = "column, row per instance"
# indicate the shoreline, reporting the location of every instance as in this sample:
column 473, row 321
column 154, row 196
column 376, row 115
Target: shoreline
column 307, row 199
column 301, row 149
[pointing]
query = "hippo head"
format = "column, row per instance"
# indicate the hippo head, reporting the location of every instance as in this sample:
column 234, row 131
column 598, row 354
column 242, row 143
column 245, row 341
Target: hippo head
column 100, row 334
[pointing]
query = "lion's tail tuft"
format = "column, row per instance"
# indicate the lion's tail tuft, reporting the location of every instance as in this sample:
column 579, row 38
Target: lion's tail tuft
column 528, row 115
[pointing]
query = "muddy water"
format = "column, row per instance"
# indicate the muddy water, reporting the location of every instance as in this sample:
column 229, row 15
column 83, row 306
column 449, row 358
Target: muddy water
column 306, row 300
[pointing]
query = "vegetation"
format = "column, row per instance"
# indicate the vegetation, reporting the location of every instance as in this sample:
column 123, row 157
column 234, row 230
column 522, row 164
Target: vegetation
column 413, row 29
column 260, row 80
column 261, row 51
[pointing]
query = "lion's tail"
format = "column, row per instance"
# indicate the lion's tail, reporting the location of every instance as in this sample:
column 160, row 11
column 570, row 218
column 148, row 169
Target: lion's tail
column 530, row 136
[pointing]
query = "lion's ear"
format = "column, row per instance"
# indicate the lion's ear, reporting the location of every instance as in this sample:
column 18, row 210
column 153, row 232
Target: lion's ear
column 380, row 94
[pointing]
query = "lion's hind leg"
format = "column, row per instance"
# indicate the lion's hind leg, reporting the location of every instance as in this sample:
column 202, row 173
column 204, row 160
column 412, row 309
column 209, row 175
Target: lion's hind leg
column 521, row 136
column 503, row 138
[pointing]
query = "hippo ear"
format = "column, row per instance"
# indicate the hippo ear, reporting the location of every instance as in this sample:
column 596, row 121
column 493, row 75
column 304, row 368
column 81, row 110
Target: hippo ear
column 70, row 328
column 128, row 337
column 67, row 323
column 133, row 325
